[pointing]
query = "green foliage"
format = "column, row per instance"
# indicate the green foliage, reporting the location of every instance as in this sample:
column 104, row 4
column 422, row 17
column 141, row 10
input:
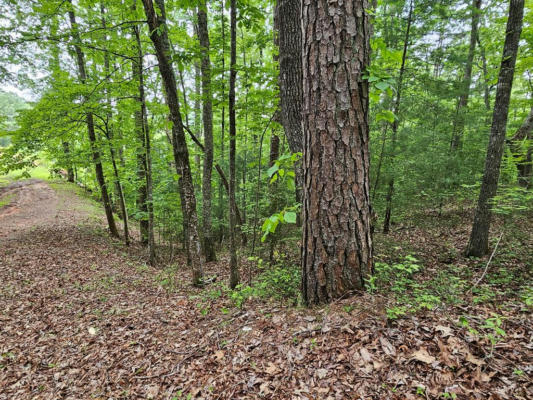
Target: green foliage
column 276, row 282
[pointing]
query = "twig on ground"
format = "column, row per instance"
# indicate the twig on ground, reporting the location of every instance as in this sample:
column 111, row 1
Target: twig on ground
column 486, row 266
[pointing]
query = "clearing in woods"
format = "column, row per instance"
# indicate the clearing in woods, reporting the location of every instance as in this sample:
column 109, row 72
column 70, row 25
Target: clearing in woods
column 82, row 316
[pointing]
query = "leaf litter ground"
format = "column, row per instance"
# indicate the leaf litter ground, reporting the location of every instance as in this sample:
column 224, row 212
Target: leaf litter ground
column 82, row 317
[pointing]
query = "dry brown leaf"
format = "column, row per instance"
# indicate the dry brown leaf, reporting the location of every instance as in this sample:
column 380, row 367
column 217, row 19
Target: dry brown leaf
column 423, row 356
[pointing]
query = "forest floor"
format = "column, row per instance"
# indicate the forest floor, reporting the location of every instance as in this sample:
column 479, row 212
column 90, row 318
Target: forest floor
column 83, row 317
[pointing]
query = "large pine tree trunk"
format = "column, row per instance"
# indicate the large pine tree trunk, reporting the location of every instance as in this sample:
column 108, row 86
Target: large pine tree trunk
column 99, row 171
column 159, row 37
column 478, row 244
column 234, row 265
column 337, row 244
column 207, row 116
column 460, row 112
column 288, row 21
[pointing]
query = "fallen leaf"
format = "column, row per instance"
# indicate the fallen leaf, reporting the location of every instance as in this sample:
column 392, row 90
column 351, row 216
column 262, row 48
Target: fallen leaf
column 388, row 348
column 321, row 373
column 444, row 330
column 423, row 356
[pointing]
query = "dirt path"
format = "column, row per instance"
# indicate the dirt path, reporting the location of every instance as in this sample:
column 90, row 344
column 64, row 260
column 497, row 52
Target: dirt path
column 31, row 202
column 81, row 317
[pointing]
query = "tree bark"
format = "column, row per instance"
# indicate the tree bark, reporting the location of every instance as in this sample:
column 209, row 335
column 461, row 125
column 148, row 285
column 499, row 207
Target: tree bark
column 478, row 244
column 337, row 244
column 290, row 79
column 99, row 171
column 144, row 157
column 462, row 103
column 234, row 265
column 523, row 155
column 207, row 116
column 159, row 37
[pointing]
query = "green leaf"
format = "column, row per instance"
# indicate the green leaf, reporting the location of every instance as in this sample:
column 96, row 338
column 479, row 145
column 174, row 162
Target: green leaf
column 272, row 170
column 290, row 217
column 382, row 85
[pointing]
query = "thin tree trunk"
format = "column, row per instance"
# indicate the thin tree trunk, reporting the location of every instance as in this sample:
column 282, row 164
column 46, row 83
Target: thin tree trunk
column 523, row 154
column 462, row 104
column 221, row 206
column 99, row 171
column 336, row 243
column 478, row 244
column 159, row 37
column 234, row 265
column 109, row 136
column 70, row 170
column 290, row 79
column 486, row 88
column 274, row 155
column 144, row 152
column 380, row 162
column 396, row 123
column 207, row 116
column 120, row 193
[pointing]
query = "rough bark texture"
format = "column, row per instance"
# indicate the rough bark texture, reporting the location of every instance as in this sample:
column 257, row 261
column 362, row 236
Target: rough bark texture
column 459, row 121
column 99, row 171
column 159, row 37
column 522, row 148
column 478, row 244
column 396, row 124
column 207, row 116
column 288, row 22
column 337, row 244
column 234, row 265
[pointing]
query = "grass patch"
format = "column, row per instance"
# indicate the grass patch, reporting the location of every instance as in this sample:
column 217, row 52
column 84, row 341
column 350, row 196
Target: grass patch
column 40, row 171
column 6, row 200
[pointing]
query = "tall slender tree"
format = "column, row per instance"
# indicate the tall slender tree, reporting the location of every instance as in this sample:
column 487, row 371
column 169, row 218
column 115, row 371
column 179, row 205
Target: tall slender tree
column 478, row 244
column 159, row 37
column 522, row 148
column 337, row 244
column 290, row 78
column 82, row 73
column 207, row 116
column 234, row 265
column 462, row 103
column 396, row 122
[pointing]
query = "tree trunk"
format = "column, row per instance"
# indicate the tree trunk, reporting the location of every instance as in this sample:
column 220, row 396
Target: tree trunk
column 221, row 206
column 234, row 265
column 523, row 155
column 460, row 112
column 159, row 37
column 70, row 170
column 207, row 116
column 396, row 124
column 109, row 136
column 478, row 244
column 144, row 158
column 290, row 79
column 274, row 155
column 337, row 244
column 99, row 171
